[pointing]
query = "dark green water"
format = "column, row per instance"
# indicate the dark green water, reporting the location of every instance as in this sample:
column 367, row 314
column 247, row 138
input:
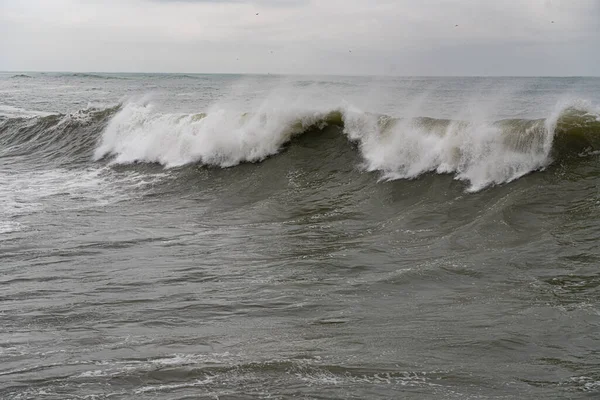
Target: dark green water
column 231, row 237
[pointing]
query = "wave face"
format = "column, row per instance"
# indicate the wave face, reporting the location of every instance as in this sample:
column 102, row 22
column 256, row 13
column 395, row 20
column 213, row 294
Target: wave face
column 62, row 138
column 481, row 153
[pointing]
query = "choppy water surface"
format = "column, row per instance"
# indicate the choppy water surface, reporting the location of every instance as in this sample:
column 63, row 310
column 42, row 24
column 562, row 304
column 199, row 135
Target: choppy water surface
column 206, row 236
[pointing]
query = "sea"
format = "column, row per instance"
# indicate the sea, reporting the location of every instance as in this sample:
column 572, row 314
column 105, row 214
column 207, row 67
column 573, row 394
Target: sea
column 206, row 236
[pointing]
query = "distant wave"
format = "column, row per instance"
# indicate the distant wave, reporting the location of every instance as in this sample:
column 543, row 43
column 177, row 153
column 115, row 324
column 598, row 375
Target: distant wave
column 21, row 76
column 480, row 153
column 90, row 76
column 185, row 76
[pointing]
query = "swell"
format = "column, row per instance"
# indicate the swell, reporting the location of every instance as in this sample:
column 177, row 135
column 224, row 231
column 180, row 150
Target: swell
column 80, row 75
column 480, row 152
column 215, row 373
column 85, row 75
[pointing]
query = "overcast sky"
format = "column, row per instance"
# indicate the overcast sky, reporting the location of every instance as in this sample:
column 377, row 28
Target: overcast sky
column 392, row 37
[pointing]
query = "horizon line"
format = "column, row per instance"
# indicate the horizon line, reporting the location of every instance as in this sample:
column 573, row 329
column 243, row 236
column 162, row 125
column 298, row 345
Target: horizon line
column 297, row 74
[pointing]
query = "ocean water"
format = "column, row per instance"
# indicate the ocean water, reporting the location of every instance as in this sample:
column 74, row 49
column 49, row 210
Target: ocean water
column 245, row 237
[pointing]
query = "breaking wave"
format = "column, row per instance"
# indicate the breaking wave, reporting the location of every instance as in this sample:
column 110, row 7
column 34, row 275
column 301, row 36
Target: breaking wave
column 90, row 76
column 482, row 153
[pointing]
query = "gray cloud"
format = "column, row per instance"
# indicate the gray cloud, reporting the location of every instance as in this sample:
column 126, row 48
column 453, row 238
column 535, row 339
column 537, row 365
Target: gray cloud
column 302, row 36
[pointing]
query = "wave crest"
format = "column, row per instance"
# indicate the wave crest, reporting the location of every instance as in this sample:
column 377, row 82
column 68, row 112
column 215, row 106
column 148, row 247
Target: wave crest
column 221, row 137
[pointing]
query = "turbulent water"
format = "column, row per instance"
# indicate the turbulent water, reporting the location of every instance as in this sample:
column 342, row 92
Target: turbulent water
column 221, row 236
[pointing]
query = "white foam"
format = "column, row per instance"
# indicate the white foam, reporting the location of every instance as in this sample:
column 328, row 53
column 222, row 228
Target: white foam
column 319, row 377
column 189, row 359
column 9, row 227
column 114, row 368
column 174, row 386
column 586, row 383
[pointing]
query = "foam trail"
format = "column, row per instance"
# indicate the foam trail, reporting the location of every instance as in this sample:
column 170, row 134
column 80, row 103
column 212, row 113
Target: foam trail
column 7, row 111
column 29, row 192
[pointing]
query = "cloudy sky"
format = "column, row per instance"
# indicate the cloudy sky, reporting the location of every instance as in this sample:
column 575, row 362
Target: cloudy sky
column 392, row 37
